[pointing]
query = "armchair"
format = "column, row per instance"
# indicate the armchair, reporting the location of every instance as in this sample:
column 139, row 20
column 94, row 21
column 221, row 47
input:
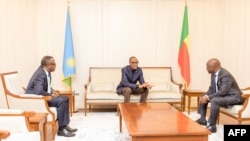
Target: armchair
column 21, row 130
column 239, row 112
column 16, row 99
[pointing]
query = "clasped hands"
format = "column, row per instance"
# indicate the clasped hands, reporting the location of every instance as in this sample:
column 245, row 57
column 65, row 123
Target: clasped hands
column 145, row 85
column 204, row 99
column 55, row 94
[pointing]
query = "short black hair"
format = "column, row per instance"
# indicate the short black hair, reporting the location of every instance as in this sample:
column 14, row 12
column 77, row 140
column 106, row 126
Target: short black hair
column 45, row 60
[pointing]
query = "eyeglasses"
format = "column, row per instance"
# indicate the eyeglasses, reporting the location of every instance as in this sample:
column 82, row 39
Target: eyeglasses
column 134, row 62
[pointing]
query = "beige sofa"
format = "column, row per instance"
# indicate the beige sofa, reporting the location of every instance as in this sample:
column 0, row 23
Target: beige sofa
column 101, row 86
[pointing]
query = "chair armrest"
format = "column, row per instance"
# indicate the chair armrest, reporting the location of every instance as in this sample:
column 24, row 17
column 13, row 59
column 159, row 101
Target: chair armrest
column 247, row 88
column 245, row 96
column 30, row 96
column 4, row 134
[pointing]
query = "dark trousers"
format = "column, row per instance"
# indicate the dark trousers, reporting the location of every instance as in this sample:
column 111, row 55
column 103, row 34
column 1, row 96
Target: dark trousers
column 216, row 103
column 62, row 106
column 126, row 91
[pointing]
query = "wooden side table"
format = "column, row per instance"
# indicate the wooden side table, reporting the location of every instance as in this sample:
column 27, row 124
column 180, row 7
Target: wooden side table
column 37, row 122
column 191, row 93
column 71, row 96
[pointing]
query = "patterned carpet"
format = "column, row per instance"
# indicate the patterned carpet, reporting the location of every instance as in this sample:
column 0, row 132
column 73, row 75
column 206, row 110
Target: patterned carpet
column 104, row 126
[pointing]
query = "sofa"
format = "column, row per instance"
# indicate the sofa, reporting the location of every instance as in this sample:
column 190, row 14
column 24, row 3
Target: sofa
column 100, row 89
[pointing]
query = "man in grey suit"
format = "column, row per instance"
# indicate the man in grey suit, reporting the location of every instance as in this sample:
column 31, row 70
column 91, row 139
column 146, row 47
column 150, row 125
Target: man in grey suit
column 223, row 92
column 40, row 84
column 131, row 74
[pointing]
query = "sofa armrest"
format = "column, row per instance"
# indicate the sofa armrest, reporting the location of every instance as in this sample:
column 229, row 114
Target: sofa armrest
column 87, row 88
column 177, row 87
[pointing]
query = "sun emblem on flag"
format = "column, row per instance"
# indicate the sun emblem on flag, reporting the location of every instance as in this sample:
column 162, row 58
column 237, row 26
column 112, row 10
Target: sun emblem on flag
column 71, row 62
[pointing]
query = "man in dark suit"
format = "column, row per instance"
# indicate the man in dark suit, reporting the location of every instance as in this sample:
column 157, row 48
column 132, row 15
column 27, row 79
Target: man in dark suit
column 40, row 84
column 131, row 74
column 223, row 92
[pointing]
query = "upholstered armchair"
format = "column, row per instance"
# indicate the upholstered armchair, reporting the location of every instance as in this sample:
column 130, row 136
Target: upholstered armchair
column 16, row 99
column 14, row 125
column 239, row 112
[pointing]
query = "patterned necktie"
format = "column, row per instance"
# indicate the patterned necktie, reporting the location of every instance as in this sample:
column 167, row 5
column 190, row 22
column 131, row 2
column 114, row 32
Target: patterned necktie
column 213, row 83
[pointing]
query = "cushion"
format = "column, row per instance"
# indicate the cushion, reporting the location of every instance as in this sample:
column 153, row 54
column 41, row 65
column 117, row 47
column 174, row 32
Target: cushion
column 107, row 86
column 164, row 86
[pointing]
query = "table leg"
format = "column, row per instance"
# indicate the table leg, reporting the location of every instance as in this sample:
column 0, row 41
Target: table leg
column 189, row 101
column 120, row 120
column 184, row 103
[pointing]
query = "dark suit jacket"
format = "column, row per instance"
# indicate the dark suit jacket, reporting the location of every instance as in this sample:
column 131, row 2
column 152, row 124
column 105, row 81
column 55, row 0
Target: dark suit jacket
column 129, row 79
column 38, row 83
column 227, row 86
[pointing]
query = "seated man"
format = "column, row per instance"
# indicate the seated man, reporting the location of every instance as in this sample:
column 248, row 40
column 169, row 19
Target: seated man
column 128, row 85
column 40, row 84
column 223, row 92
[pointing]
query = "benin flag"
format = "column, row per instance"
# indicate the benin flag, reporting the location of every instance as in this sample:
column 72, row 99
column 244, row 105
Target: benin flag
column 183, row 58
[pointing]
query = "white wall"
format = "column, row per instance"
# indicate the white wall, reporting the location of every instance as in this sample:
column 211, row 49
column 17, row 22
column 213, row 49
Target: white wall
column 107, row 32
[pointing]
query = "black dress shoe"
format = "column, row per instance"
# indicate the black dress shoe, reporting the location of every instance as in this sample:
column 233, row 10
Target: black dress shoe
column 70, row 129
column 212, row 128
column 65, row 133
column 201, row 122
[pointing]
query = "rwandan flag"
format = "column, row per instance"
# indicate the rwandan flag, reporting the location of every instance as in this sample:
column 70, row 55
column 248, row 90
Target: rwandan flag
column 68, row 56
column 183, row 58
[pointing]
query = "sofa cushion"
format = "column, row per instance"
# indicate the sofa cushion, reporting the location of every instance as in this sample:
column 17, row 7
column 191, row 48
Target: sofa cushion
column 164, row 95
column 164, row 86
column 101, row 95
column 232, row 109
column 107, row 86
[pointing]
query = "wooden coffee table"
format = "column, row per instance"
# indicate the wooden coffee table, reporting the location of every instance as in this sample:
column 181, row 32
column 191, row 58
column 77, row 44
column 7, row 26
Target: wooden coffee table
column 159, row 122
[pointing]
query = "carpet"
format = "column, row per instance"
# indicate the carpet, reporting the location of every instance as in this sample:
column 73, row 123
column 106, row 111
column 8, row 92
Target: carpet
column 104, row 126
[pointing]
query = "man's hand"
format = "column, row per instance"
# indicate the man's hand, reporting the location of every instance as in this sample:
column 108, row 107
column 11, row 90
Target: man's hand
column 145, row 85
column 203, row 99
column 55, row 94
column 149, row 86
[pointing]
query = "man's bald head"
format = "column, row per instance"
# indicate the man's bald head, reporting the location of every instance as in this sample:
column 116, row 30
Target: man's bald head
column 213, row 65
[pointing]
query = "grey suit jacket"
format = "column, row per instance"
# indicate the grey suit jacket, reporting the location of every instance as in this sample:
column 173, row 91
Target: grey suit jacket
column 129, row 79
column 38, row 83
column 227, row 86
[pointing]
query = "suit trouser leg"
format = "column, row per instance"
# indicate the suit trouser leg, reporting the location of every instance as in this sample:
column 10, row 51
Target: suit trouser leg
column 62, row 106
column 202, row 110
column 126, row 91
column 143, row 92
column 218, row 102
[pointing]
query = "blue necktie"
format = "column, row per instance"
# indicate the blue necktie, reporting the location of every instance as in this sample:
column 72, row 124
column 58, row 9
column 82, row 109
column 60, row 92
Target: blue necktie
column 213, row 83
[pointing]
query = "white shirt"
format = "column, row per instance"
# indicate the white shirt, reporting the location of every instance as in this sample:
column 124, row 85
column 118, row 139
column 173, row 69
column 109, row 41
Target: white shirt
column 48, row 81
